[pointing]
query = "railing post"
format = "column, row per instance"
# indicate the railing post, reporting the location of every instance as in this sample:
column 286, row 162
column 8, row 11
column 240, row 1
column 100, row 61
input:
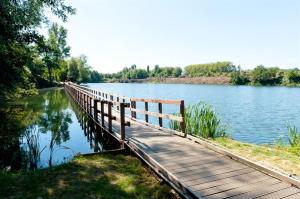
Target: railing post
column 96, row 112
column 84, row 103
column 146, row 115
column 118, row 100
column 122, row 123
column 96, row 109
column 182, row 113
column 133, row 105
column 102, row 113
column 160, row 111
column 109, row 105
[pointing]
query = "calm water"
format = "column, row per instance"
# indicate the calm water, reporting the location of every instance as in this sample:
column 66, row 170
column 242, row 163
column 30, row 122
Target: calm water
column 47, row 130
column 253, row 114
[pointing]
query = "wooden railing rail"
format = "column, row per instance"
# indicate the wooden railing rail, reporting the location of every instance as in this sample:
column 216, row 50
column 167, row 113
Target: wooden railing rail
column 115, row 102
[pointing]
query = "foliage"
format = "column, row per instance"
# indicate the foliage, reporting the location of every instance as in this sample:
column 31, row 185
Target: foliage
column 265, row 76
column 294, row 139
column 135, row 73
column 209, row 69
column 19, row 21
column 201, row 120
column 98, row 176
column 79, row 71
column 165, row 72
column 239, row 77
column 55, row 49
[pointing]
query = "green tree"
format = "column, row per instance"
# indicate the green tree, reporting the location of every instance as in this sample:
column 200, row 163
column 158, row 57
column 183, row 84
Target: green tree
column 19, row 21
column 73, row 72
column 55, row 49
column 265, row 76
column 84, row 69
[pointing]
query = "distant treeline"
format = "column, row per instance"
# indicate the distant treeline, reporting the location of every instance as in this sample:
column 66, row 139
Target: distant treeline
column 260, row 75
column 135, row 73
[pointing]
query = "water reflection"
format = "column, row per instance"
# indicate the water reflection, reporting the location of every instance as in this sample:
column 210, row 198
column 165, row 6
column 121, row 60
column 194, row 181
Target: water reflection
column 45, row 130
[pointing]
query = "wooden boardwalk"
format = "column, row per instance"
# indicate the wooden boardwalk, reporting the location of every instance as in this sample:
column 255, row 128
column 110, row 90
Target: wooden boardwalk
column 194, row 168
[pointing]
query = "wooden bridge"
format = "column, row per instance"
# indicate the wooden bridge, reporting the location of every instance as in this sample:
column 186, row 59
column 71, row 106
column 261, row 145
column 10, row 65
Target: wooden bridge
column 194, row 167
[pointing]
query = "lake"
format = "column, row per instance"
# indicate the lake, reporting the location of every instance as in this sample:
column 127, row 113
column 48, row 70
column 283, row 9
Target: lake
column 252, row 114
column 46, row 130
column 49, row 128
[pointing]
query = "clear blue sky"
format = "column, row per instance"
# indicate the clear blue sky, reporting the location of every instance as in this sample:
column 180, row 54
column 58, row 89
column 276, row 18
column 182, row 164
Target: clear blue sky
column 118, row 33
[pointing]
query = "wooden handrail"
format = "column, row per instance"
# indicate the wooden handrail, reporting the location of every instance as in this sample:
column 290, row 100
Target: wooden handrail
column 176, row 102
column 115, row 101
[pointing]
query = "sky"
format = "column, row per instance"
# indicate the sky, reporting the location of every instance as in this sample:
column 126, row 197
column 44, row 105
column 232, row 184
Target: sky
column 118, row 33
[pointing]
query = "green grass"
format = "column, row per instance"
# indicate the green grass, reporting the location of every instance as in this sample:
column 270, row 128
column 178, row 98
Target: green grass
column 282, row 158
column 98, row 176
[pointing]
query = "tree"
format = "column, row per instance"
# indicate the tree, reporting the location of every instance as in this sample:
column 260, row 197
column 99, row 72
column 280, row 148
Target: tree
column 73, row 72
column 55, row 49
column 96, row 77
column 19, row 21
column 84, row 69
column 148, row 69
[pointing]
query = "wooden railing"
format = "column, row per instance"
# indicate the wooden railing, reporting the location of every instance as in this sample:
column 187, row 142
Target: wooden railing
column 87, row 96
column 90, row 104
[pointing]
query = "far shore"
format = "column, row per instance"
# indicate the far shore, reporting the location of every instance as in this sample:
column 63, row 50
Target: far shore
column 222, row 80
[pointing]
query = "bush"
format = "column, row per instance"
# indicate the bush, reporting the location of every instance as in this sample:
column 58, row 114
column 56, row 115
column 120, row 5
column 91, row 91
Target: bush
column 209, row 69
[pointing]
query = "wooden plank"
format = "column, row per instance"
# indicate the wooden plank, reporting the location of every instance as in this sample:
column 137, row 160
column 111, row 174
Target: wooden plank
column 237, row 179
column 186, row 162
column 211, row 177
column 281, row 194
column 210, row 168
column 244, row 189
column 294, row 196
column 222, row 161
column 181, row 159
column 262, row 191
column 207, row 174
column 216, row 187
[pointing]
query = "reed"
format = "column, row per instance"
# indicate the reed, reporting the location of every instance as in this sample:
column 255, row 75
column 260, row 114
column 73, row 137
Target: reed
column 294, row 139
column 201, row 120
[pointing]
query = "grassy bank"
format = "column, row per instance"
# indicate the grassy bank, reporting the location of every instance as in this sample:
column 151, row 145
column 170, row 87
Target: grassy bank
column 281, row 158
column 100, row 176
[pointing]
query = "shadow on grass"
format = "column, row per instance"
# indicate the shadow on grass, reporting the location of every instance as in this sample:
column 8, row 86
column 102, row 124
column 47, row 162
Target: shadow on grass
column 101, row 176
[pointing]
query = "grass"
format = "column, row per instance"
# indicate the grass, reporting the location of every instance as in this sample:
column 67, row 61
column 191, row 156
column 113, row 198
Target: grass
column 281, row 158
column 201, row 120
column 98, row 176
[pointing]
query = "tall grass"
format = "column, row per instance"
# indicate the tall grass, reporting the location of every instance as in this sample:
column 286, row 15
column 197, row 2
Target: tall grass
column 201, row 120
column 294, row 139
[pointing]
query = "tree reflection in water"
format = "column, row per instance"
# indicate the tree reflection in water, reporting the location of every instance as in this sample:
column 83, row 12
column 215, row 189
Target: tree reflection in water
column 37, row 131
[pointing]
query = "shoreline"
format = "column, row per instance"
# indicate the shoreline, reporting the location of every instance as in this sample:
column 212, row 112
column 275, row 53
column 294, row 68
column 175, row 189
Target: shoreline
column 222, row 80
